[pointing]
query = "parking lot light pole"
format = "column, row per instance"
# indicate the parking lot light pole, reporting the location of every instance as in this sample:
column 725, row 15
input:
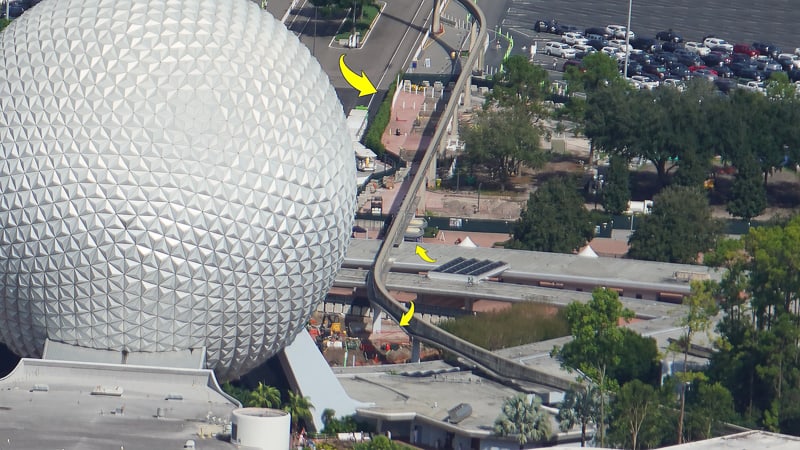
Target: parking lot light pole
column 628, row 40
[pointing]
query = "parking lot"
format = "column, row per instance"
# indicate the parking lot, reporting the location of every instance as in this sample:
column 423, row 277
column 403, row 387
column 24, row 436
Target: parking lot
column 734, row 20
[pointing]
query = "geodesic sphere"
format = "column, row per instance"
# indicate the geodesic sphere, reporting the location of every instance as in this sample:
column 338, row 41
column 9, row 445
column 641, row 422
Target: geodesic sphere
column 175, row 174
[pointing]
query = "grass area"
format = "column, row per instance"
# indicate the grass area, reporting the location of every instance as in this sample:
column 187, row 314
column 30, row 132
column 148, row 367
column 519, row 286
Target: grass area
column 362, row 24
column 523, row 323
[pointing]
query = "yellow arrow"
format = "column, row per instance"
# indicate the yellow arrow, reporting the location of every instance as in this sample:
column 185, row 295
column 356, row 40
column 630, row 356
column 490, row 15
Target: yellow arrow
column 407, row 316
column 424, row 254
column 360, row 82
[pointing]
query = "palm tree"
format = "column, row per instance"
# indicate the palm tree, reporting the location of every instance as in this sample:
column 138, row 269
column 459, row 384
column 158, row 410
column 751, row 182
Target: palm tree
column 524, row 419
column 299, row 408
column 581, row 405
column 264, row 396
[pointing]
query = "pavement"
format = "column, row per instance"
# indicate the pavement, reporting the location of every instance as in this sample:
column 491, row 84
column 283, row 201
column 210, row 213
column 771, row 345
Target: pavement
column 384, row 54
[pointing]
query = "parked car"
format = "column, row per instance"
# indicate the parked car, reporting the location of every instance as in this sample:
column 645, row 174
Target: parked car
column 620, row 32
column 620, row 44
column 572, row 63
column 559, row 49
column 598, row 31
column 724, row 71
column 691, row 61
column 657, row 70
column 789, row 61
column 598, row 44
column 745, row 49
column 613, row 52
column 707, row 74
column 634, row 68
column 547, row 26
column 665, row 58
column 715, row 42
column 676, row 83
column 669, row 46
column 581, row 50
column 768, row 65
column 679, row 70
column 767, row 48
column 751, row 74
column 641, row 57
column 725, row 84
column 697, row 48
column 669, row 36
column 715, row 59
column 572, row 38
column 646, row 82
column 647, row 44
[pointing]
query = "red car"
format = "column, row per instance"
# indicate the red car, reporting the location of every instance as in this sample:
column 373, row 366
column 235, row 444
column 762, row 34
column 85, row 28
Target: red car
column 745, row 49
column 708, row 69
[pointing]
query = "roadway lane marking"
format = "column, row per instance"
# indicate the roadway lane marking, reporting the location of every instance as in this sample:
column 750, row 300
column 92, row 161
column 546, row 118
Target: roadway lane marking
column 400, row 44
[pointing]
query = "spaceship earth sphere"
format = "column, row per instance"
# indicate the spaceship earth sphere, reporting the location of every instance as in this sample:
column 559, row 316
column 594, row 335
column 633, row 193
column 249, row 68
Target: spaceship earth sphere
column 175, row 174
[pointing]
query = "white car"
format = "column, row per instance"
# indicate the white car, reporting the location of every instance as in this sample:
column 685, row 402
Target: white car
column 645, row 82
column 618, row 31
column 573, row 38
column 697, row 48
column 560, row 49
column 619, row 44
column 713, row 42
column 613, row 53
column 677, row 84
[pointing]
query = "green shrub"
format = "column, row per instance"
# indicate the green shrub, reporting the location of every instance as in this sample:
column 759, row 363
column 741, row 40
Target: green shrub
column 378, row 124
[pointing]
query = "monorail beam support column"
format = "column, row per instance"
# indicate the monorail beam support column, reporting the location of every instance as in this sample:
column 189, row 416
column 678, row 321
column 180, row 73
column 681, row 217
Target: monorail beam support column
column 436, row 26
column 415, row 350
column 377, row 314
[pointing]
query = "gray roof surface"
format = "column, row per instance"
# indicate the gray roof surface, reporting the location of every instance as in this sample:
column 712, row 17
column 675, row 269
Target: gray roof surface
column 430, row 398
column 603, row 270
column 69, row 417
column 762, row 440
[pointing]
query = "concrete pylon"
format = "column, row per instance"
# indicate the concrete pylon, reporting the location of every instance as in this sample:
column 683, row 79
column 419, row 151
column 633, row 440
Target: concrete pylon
column 436, row 26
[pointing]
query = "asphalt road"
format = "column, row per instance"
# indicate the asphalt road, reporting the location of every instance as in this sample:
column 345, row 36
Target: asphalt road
column 386, row 52
column 734, row 20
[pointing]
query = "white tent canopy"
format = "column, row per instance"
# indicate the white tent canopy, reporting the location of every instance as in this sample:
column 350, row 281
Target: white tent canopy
column 467, row 242
column 587, row 252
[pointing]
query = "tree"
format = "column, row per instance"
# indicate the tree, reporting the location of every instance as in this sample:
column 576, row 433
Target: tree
column 236, row 392
column 596, row 342
column 299, row 408
column 634, row 404
column 709, row 406
column 757, row 357
column 554, row 220
column 521, row 85
column 597, row 70
column 701, row 307
column 678, row 229
column 780, row 87
column 640, row 360
column 580, row 406
column 501, row 141
column 264, row 396
column 748, row 196
column 524, row 419
column 617, row 191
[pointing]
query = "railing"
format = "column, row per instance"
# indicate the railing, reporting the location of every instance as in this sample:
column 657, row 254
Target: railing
column 493, row 365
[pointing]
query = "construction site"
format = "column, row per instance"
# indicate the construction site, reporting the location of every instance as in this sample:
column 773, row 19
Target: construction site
column 347, row 340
